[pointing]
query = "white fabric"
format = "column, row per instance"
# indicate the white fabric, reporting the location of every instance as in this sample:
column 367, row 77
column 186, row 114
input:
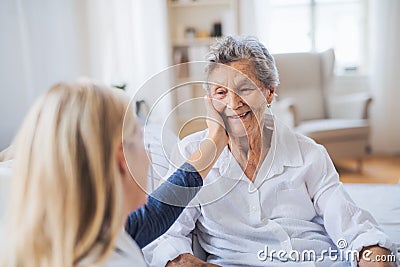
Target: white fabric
column 384, row 75
column 128, row 253
column 299, row 205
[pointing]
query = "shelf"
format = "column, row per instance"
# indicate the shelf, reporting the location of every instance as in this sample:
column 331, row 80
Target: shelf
column 197, row 3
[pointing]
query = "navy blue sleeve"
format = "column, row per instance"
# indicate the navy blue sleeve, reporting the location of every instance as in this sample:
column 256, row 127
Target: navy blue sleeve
column 164, row 205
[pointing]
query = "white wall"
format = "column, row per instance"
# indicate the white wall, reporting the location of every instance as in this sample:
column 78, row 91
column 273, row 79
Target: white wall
column 40, row 44
column 45, row 41
column 385, row 72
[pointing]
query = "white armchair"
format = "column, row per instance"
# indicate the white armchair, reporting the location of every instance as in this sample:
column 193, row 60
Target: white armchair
column 340, row 123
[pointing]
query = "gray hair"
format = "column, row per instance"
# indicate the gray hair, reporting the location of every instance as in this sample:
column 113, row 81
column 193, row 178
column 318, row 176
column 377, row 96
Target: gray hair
column 234, row 48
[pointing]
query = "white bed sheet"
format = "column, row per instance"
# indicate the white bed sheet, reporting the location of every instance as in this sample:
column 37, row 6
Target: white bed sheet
column 383, row 202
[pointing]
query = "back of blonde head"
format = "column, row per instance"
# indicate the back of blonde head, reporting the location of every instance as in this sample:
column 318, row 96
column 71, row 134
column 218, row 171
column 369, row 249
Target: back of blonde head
column 66, row 200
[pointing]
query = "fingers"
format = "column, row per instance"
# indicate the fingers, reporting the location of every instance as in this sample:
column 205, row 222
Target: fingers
column 217, row 104
column 215, row 123
column 212, row 113
column 209, row 104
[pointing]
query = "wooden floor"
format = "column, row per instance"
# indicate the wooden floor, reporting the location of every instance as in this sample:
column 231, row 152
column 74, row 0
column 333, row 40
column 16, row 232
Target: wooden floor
column 375, row 170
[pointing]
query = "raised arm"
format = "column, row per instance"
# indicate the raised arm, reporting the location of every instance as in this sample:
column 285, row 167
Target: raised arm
column 166, row 203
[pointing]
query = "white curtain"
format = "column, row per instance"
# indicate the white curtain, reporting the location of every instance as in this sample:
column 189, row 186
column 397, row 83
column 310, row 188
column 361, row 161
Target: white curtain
column 45, row 41
column 127, row 40
column 40, row 45
column 254, row 16
column 384, row 75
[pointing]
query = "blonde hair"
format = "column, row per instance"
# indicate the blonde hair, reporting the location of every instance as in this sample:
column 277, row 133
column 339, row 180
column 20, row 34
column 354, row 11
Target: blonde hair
column 66, row 201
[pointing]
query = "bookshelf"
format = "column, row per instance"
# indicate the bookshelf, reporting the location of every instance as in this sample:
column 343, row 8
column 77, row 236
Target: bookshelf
column 193, row 26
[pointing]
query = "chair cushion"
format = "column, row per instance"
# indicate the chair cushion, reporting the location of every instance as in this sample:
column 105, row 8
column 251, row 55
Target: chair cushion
column 334, row 129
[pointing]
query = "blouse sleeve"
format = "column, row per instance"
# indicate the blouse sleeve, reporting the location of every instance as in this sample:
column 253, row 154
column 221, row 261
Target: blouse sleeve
column 349, row 226
column 164, row 205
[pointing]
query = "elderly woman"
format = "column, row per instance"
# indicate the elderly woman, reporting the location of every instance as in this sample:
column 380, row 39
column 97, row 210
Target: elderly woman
column 274, row 194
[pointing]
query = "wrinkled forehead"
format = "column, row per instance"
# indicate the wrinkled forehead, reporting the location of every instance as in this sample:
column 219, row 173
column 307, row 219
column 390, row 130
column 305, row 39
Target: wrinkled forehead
column 234, row 74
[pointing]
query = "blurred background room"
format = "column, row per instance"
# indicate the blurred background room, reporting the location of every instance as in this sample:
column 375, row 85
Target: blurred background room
column 126, row 42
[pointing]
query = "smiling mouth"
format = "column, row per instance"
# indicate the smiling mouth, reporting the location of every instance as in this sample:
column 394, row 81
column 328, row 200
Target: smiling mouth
column 240, row 116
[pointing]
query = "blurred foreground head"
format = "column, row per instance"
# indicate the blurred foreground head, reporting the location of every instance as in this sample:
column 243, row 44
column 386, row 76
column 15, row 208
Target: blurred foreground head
column 67, row 201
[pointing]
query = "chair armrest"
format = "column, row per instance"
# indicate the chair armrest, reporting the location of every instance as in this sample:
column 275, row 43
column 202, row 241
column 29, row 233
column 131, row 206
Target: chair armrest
column 351, row 106
column 285, row 109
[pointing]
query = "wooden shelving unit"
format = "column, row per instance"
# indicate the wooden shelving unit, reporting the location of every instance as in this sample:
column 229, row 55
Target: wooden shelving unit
column 192, row 24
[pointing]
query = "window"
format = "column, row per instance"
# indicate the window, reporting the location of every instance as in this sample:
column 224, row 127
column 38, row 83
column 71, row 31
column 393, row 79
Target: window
column 316, row 25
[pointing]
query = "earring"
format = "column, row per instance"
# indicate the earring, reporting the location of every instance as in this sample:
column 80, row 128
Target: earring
column 268, row 105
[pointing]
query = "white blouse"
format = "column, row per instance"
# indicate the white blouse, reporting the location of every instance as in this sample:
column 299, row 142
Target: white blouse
column 296, row 203
column 126, row 254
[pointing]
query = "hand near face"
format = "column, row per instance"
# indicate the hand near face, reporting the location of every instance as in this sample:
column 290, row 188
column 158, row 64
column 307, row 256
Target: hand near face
column 215, row 123
column 189, row 260
column 210, row 148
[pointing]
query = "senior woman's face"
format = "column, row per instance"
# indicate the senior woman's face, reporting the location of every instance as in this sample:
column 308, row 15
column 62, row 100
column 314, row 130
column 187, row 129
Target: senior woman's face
column 239, row 97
